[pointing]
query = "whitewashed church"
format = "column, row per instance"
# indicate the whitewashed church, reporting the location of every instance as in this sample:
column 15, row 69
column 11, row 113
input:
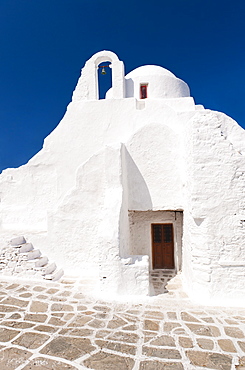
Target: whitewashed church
column 142, row 180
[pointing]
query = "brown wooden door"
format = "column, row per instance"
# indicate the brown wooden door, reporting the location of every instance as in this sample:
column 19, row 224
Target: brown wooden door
column 162, row 246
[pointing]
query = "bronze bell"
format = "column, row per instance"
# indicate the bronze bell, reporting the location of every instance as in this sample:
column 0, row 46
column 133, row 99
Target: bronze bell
column 103, row 72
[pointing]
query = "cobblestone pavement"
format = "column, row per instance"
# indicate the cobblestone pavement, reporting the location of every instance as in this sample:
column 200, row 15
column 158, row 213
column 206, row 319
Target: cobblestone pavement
column 60, row 326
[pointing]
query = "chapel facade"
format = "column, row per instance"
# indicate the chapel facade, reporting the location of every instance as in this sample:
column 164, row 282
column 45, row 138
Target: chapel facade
column 144, row 179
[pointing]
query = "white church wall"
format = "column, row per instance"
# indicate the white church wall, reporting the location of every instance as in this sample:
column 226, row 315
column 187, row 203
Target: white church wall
column 196, row 259
column 134, row 277
column 214, row 247
column 124, row 232
column 29, row 192
column 26, row 195
column 233, row 133
column 83, row 229
column 154, row 161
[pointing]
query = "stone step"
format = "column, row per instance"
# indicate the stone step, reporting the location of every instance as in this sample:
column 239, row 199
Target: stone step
column 17, row 241
column 49, row 269
column 33, row 254
column 56, row 276
column 27, row 247
column 41, row 262
column 20, row 258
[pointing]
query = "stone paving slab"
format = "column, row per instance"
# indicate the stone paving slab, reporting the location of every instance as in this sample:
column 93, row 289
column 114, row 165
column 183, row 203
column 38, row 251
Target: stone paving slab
column 48, row 325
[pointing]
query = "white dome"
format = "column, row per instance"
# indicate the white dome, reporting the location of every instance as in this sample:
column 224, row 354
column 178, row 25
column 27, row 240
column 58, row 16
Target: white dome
column 149, row 70
column 158, row 81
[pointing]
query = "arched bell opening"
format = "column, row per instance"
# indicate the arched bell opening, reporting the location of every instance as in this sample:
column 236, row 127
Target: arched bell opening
column 104, row 71
column 91, row 85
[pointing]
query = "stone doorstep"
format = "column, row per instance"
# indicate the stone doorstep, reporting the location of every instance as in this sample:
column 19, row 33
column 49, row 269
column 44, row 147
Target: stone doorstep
column 161, row 281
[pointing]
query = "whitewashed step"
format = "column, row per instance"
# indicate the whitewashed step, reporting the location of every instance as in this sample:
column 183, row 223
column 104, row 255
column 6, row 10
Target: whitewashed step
column 33, row 254
column 20, row 258
column 49, row 269
column 56, row 276
column 41, row 262
column 27, row 247
column 17, row 241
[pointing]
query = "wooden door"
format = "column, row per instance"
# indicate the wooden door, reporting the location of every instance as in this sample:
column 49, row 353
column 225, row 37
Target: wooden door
column 162, row 246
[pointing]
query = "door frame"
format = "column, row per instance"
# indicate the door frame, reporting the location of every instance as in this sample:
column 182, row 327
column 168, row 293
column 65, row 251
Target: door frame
column 140, row 242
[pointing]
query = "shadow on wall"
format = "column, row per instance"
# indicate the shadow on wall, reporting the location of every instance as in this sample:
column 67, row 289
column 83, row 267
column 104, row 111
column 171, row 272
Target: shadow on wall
column 139, row 197
column 129, row 86
column 136, row 197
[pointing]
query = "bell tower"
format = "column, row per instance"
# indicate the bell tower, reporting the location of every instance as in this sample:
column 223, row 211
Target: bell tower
column 87, row 88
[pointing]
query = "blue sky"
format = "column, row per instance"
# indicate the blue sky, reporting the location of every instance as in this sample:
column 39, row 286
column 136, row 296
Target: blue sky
column 45, row 43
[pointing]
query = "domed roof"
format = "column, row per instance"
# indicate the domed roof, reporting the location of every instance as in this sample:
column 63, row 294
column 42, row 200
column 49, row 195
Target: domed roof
column 149, row 70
